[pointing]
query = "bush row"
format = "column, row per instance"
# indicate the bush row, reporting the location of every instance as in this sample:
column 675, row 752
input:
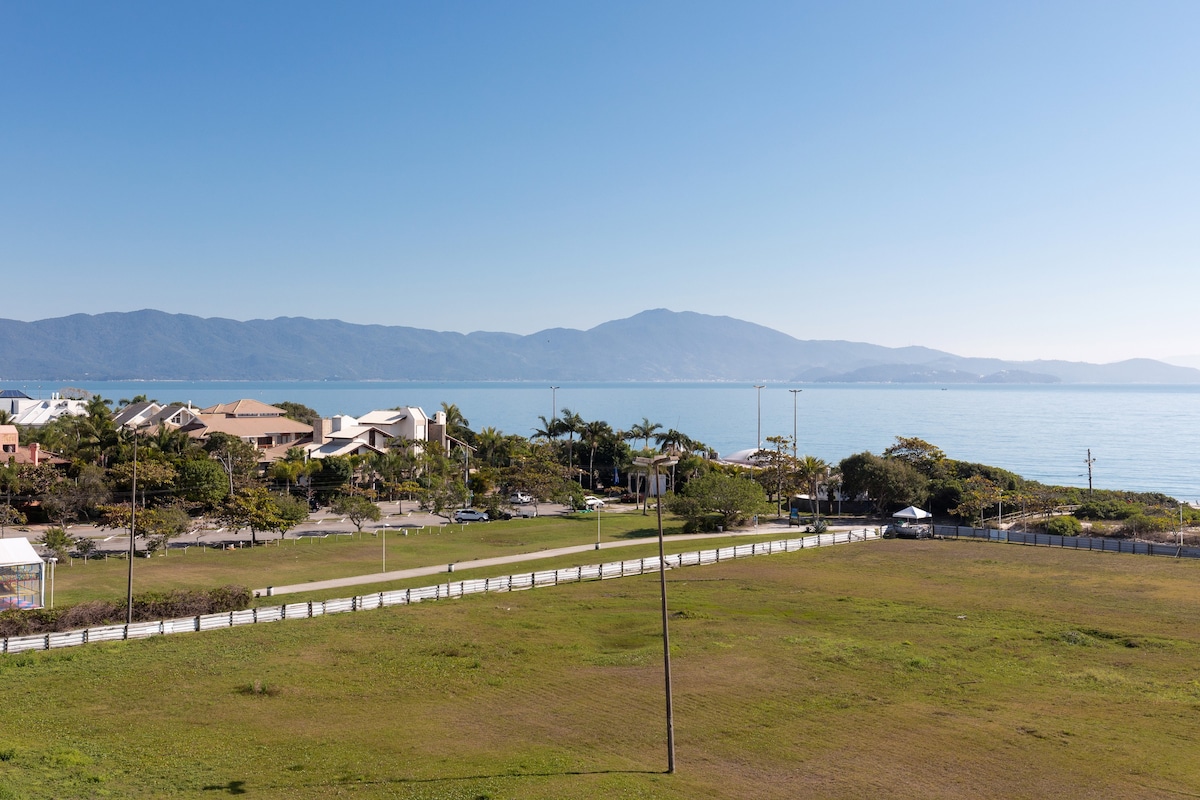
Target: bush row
column 147, row 607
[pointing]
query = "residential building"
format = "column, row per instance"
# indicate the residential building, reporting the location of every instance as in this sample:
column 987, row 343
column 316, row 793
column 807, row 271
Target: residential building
column 262, row 425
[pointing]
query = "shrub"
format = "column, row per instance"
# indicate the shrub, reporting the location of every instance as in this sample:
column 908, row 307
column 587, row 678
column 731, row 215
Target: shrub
column 146, row 607
column 1064, row 526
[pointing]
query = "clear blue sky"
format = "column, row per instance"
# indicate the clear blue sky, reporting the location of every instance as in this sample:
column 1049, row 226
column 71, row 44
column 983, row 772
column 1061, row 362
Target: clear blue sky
column 1015, row 179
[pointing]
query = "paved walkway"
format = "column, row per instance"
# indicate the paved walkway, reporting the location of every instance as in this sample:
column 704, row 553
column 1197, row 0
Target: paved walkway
column 763, row 529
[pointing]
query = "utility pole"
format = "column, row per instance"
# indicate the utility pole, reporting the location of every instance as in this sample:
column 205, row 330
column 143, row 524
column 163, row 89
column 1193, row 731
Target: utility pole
column 1089, row 463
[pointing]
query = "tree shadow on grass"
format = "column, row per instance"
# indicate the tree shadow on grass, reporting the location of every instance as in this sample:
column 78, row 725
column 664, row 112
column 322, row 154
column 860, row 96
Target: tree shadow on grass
column 640, row 533
column 233, row 787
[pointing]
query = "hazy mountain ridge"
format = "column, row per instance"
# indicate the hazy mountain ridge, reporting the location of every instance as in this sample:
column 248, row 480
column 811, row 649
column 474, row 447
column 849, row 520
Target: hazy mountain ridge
column 652, row 345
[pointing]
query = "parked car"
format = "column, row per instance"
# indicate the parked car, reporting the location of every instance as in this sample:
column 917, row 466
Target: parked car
column 524, row 511
column 520, row 498
column 470, row 515
column 593, row 502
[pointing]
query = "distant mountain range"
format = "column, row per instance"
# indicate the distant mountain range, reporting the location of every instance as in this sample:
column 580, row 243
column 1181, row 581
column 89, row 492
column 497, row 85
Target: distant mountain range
column 657, row 345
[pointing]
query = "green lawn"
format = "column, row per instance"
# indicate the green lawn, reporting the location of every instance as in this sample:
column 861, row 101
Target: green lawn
column 337, row 556
column 888, row 669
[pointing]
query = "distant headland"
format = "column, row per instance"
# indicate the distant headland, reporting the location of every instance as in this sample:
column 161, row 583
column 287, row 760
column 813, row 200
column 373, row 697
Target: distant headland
column 656, row 345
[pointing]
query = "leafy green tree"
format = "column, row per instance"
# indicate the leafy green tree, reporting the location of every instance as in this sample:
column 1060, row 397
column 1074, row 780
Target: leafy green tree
column 73, row 499
column 256, row 509
column 298, row 412
column 926, row 458
column 333, row 473
column 978, row 494
column 538, row 474
column 889, row 482
column 357, row 509
column 202, row 480
column 731, row 498
column 238, row 458
column 58, row 541
column 776, row 468
column 154, row 477
column 9, row 516
column 290, row 512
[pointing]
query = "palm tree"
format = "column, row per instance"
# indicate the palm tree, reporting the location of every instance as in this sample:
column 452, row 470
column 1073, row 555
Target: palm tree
column 811, row 470
column 457, row 425
column 571, row 424
column 490, row 447
column 551, row 428
column 592, row 434
column 643, row 431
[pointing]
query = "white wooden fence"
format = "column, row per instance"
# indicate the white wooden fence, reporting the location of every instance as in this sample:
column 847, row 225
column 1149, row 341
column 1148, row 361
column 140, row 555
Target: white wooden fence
column 440, row 591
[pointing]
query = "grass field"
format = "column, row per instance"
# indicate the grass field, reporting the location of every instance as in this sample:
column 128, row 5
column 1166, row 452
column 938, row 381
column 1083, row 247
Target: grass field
column 313, row 559
column 893, row 669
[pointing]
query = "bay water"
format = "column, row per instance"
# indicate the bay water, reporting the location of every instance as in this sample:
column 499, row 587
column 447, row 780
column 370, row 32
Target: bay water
column 1144, row 438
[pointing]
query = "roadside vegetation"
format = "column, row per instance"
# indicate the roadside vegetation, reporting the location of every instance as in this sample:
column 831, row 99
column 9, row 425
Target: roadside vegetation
column 184, row 483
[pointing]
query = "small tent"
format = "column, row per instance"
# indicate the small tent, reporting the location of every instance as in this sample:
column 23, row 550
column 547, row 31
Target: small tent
column 21, row 575
column 911, row 514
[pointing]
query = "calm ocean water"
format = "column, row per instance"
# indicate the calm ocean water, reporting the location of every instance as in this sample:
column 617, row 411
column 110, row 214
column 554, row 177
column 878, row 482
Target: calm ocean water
column 1141, row 437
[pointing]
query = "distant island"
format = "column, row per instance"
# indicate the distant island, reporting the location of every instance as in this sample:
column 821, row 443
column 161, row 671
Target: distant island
column 656, row 345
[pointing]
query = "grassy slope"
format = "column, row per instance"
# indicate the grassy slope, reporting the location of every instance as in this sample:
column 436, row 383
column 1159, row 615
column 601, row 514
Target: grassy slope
column 841, row 672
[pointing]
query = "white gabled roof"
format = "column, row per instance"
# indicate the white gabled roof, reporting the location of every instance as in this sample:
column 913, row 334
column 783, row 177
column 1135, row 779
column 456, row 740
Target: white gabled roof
column 17, row 551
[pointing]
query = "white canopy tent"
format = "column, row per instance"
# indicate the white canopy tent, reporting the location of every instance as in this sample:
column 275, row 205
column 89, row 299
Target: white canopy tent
column 21, row 575
column 912, row 514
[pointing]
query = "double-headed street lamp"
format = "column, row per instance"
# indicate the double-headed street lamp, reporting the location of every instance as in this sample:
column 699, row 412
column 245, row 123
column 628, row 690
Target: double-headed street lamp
column 658, row 462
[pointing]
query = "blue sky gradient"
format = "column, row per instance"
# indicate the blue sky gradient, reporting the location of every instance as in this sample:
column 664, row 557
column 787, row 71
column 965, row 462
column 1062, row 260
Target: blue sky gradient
column 1018, row 180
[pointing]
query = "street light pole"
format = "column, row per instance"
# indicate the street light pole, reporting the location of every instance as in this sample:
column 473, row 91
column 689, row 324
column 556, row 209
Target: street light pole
column 760, row 388
column 54, row 561
column 658, row 462
column 553, row 402
column 133, row 536
column 795, row 393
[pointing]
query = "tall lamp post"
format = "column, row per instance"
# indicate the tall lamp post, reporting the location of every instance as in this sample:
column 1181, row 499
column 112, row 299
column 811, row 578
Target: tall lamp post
column 794, row 392
column 553, row 402
column 760, row 388
column 133, row 536
column 659, row 462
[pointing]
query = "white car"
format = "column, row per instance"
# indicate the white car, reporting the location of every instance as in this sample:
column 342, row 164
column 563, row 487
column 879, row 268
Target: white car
column 520, row 498
column 470, row 515
column 593, row 502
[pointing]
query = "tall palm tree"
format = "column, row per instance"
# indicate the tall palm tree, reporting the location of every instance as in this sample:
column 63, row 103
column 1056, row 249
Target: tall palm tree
column 644, row 431
column 551, row 429
column 457, row 425
column 811, row 470
column 592, row 434
column 571, row 424
column 490, row 446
